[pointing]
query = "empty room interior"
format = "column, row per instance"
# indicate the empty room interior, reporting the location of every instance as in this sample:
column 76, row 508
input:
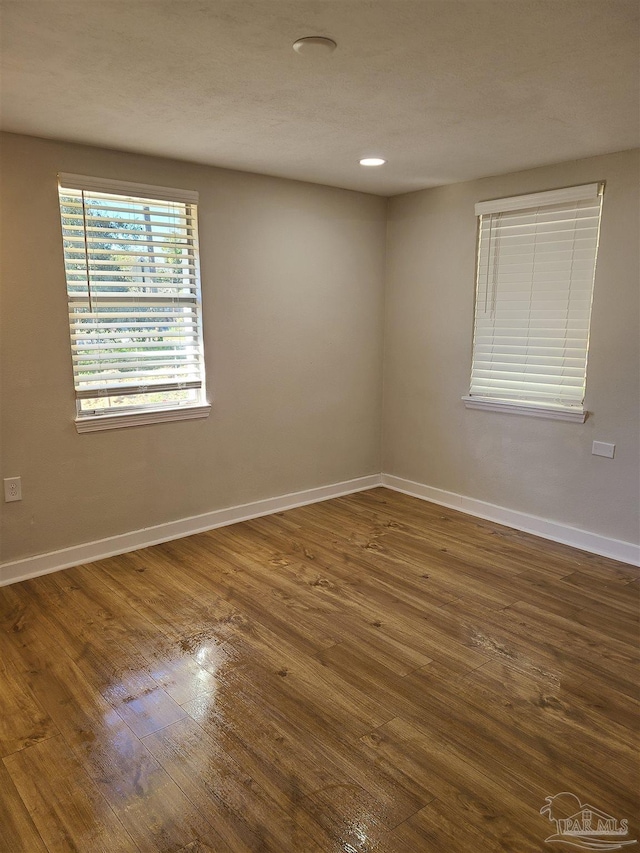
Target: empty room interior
column 319, row 434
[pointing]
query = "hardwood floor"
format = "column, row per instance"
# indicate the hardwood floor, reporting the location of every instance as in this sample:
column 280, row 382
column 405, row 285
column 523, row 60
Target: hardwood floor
column 372, row 673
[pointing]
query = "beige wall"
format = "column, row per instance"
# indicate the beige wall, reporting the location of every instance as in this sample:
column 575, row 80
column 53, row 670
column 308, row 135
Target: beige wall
column 292, row 278
column 542, row 467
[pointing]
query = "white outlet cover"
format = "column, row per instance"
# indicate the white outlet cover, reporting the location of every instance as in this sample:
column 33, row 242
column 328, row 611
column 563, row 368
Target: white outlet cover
column 12, row 489
column 603, row 448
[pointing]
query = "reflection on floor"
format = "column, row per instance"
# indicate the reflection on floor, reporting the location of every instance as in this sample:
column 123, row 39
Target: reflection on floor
column 372, row 673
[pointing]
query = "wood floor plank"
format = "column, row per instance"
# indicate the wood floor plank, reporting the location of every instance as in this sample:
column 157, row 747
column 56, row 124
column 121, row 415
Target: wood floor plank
column 184, row 659
column 580, row 708
column 610, row 704
column 294, row 752
column 397, row 549
column 244, row 815
column 18, row 833
column 369, row 603
column 613, row 591
column 311, row 684
column 346, row 817
column 579, row 592
column 156, row 588
column 555, row 753
column 458, row 722
column 463, row 822
column 495, row 547
column 602, row 750
column 371, row 674
column 282, row 755
column 23, row 721
column 82, row 629
column 498, row 818
column 609, row 623
column 66, row 806
column 535, row 640
column 150, row 806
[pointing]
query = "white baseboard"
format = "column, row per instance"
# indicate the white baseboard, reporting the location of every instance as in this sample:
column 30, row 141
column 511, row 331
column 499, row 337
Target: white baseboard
column 88, row 552
column 616, row 549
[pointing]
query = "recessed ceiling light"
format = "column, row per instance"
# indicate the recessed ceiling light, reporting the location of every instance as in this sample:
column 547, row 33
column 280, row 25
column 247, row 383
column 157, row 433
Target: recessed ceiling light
column 314, row 45
column 372, row 161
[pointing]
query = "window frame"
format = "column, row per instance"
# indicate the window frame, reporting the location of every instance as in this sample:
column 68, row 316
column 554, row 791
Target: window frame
column 162, row 412
column 532, row 408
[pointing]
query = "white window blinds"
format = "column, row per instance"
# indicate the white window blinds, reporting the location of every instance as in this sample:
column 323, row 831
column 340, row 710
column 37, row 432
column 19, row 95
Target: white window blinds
column 133, row 287
column 534, row 286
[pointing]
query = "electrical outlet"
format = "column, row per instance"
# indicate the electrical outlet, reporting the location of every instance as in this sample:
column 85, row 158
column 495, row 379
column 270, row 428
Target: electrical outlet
column 12, row 489
column 603, row 448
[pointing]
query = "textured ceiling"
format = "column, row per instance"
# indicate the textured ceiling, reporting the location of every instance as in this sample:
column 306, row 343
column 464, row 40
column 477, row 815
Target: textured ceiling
column 446, row 91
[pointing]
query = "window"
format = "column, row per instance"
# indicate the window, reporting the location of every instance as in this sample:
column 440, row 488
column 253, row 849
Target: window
column 133, row 288
column 534, row 285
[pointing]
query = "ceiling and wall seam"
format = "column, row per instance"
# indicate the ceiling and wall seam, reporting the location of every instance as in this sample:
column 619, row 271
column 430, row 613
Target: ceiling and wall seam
column 445, row 92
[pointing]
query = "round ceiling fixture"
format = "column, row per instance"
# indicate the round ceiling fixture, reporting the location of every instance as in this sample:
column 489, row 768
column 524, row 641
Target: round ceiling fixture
column 314, row 45
column 372, row 161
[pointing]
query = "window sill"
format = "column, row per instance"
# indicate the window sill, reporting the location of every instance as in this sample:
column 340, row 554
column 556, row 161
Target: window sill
column 94, row 423
column 533, row 411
